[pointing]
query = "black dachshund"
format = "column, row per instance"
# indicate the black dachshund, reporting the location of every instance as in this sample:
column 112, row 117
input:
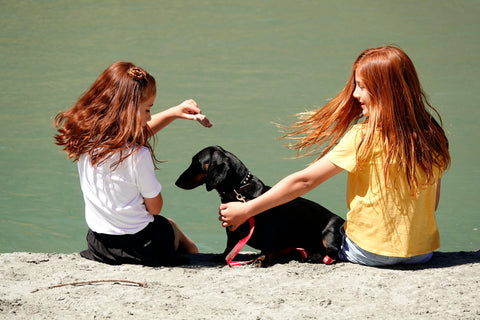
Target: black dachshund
column 300, row 223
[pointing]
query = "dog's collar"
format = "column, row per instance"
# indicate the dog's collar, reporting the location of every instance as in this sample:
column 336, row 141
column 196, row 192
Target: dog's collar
column 247, row 178
column 238, row 193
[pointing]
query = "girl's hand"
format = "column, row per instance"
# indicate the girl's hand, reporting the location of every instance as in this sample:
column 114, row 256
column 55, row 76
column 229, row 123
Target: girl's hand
column 233, row 214
column 188, row 109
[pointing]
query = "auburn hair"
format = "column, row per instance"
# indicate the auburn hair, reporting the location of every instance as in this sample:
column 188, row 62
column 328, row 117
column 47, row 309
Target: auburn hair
column 106, row 118
column 399, row 119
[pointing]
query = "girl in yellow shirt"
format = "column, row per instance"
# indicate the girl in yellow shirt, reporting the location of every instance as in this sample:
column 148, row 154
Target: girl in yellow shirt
column 379, row 129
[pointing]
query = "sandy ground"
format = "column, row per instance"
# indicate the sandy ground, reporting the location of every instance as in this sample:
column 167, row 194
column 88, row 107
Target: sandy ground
column 446, row 288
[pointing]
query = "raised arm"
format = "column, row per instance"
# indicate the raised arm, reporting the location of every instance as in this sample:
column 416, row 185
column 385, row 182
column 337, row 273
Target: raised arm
column 185, row 110
column 293, row 186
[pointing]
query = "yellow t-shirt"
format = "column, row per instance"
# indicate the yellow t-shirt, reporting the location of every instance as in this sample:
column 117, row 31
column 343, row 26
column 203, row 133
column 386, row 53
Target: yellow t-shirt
column 388, row 221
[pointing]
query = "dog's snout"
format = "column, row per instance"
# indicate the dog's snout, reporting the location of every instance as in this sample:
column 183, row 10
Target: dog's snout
column 189, row 180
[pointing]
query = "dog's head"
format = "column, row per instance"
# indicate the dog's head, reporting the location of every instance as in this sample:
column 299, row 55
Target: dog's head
column 212, row 166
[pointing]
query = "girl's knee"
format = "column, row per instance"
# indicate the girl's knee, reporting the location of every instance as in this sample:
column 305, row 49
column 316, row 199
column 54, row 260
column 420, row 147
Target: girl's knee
column 183, row 243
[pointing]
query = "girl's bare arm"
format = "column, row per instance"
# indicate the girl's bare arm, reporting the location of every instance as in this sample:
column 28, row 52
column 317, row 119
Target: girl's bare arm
column 186, row 110
column 291, row 187
column 154, row 205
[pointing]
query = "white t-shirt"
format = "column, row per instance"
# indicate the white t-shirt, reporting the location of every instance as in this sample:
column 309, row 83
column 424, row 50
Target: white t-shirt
column 114, row 198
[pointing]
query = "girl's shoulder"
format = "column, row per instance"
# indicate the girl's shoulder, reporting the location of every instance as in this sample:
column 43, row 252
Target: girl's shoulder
column 140, row 152
column 357, row 131
column 357, row 128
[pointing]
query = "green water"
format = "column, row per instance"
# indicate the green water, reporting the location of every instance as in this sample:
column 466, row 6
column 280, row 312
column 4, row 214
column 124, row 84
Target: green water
column 248, row 64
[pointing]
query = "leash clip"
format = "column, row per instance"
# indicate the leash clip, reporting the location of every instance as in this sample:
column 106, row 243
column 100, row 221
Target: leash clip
column 239, row 196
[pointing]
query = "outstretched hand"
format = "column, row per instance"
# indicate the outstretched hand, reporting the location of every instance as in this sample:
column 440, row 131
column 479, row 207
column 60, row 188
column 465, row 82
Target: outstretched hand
column 232, row 215
column 188, row 109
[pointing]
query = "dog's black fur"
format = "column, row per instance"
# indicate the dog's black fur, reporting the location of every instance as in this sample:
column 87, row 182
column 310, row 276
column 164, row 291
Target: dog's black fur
column 299, row 223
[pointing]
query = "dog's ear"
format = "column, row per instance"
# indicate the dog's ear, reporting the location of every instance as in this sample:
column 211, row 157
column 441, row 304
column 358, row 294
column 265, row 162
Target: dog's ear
column 217, row 170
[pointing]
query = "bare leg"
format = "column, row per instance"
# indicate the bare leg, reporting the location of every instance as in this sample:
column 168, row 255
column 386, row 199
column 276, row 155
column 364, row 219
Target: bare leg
column 183, row 244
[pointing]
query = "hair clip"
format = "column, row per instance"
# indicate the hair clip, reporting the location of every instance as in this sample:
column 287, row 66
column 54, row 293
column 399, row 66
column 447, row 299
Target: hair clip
column 137, row 74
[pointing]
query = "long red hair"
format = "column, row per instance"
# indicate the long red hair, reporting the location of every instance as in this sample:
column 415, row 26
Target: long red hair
column 413, row 139
column 106, row 119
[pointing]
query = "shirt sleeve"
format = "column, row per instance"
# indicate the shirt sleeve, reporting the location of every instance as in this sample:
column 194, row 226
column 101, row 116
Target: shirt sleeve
column 147, row 182
column 344, row 154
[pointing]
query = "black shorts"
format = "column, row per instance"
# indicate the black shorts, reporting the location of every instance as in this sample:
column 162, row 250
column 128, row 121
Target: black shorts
column 152, row 246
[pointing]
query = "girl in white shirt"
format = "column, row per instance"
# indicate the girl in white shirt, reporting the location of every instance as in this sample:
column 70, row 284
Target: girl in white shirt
column 107, row 133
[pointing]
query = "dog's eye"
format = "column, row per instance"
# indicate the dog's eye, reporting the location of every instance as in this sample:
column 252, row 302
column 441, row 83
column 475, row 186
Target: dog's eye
column 206, row 166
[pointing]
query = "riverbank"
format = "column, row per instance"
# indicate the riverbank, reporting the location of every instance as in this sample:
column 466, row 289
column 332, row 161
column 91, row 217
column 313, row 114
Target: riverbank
column 67, row 286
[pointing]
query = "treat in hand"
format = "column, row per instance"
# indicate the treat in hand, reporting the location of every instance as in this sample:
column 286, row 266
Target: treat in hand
column 203, row 120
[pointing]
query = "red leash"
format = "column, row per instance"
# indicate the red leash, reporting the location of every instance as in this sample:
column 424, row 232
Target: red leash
column 239, row 247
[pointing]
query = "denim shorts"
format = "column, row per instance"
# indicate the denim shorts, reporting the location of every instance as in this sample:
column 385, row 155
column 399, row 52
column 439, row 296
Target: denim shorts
column 353, row 253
